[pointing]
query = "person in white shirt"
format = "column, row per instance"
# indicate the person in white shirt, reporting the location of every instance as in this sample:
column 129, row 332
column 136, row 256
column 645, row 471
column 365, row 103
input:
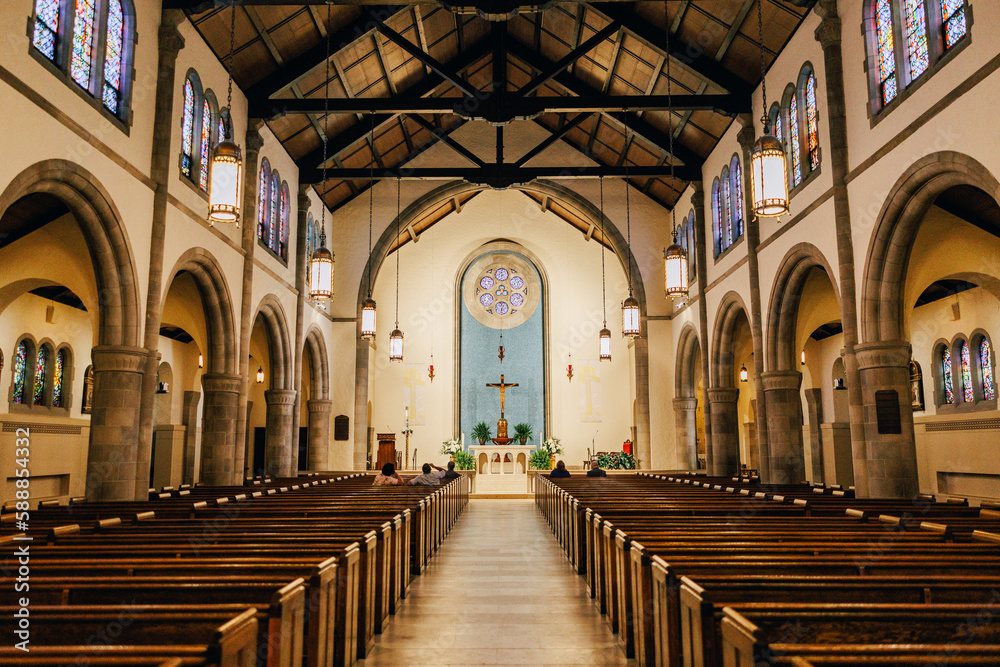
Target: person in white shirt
column 428, row 478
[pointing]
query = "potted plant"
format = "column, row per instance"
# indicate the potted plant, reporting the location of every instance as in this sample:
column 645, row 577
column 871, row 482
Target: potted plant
column 551, row 446
column 464, row 460
column 481, row 432
column 540, row 460
column 451, row 446
column 522, row 432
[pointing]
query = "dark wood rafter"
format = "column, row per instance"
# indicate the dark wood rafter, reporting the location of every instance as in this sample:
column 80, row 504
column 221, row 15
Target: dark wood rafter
column 567, row 60
column 445, row 138
column 502, row 175
column 564, row 129
column 438, row 68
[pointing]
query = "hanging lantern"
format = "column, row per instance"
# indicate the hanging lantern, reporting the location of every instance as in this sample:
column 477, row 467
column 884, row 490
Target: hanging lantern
column 605, row 337
column 227, row 183
column 744, row 375
column 675, row 270
column 321, row 272
column 368, row 318
column 201, row 361
column 396, row 345
column 260, row 375
column 630, row 317
column 803, row 357
column 769, row 177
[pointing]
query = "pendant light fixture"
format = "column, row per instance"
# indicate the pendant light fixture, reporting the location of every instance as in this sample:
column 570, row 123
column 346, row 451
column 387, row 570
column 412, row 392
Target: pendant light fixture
column 368, row 305
column 768, row 169
column 321, row 261
column 605, row 335
column 396, row 337
column 675, row 261
column 630, row 307
column 260, row 375
column 744, row 374
column 226, row 185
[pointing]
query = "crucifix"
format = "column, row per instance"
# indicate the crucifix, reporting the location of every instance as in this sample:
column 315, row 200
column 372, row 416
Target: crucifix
column 502, row 422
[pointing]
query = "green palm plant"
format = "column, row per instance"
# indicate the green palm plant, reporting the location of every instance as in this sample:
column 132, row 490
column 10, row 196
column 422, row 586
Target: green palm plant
column 523, row 433
column 481, row 432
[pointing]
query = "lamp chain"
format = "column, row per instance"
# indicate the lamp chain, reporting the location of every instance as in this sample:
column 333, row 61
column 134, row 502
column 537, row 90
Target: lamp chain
column 604, row 294
column 398, row 182
column 628, row 220
column 371, row 202
column 326, row 115
column 670, row 127
column 763, row 80
column 232, row 49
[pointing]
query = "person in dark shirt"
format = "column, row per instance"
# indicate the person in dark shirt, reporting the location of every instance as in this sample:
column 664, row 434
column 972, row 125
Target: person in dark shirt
column 595, row 470
column 560, row 470
column 450, row 472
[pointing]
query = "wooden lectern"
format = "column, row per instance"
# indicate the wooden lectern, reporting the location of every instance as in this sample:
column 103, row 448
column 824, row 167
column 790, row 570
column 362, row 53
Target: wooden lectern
column 386, row 449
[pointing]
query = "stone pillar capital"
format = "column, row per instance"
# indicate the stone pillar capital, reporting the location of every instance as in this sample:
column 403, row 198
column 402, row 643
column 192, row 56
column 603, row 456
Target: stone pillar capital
column 280, row 396
column 119, row 358
column 226, row 383
column 746, row 136
column 191, row 398
column 319, row 405
column 254, row 141
column 827, row 9
column 883, row 354
column 304, row 202
column 781, row 380
column 828, row 32
column 685, row 403
column 697, row 195
column 723, row 394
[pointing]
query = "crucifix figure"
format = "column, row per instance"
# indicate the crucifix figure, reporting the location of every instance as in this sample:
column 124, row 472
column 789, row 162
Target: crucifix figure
column 502, row 422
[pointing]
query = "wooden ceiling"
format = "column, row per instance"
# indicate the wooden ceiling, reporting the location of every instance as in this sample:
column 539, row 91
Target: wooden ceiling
column 409, row 52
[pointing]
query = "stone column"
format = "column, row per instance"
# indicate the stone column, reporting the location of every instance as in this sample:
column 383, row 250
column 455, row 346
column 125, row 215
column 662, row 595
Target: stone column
column 686, row 421
column 698, row 203
column 301, row 264
column 828, row 34
column 725, row 431
column 746, row 139
column 643, row 448
column 361, row 401
column 189, row 417
column 814, row 404
column 114, row 423
column 784, row 426
column 279, row 441
column 170, row 44
column 892, row 457
column 319, row 433
column 218, row 433
column 249, row 218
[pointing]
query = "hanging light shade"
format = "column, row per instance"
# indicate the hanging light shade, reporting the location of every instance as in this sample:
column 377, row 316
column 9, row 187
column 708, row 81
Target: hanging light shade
column 744, row 375
column 201, row 361
column 260, row 375
column 226, row 188
column 769, row 177
column 605, row 336
column 630, row 317
column 396, row 345
column 368, row 318
column 321, row 272
column 675, row 271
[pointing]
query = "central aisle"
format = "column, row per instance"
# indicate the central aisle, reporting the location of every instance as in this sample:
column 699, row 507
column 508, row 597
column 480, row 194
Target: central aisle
column 498, row 592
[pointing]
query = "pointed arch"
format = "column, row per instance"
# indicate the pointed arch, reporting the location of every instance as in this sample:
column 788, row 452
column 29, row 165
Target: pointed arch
column 730, row 309
column 688, row 349
column 276, row 325
column 315, row 349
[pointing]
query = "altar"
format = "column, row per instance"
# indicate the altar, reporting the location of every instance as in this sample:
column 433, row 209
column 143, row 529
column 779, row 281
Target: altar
column 502, row 470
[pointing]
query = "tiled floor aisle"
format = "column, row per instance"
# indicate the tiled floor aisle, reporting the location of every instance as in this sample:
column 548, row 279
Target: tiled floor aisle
column 498, row 592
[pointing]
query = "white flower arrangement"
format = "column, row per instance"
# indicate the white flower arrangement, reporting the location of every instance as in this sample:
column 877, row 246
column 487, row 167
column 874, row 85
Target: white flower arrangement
column 451, row 446
column 552, row 446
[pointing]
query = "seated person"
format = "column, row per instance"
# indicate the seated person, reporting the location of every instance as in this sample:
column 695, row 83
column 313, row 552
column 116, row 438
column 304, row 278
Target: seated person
column 427, row 478
column 388, row 476
column 595, row 470
column 446, row 474
column 560, row 470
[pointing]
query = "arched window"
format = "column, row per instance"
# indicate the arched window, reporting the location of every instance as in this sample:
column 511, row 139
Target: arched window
column 725, row 207
column 953, row 18
column 187, row 129
column 283, row 229
column 717, row 216
column 964, row 358
column 736, row 198
column 776, row 123
column 206, row 142
column 916, row 37
column 88, row 391
column 691, row 247
column 41, row 375
column 916, row 387
column 886, row 50
column 91, row 41
column 812, row 121
column 262, row 200
column 198, row 131
column 946, row 379
column 275, row 193
column 794, row 146
column 23, row 361
column 986, row 369
column 59, row 371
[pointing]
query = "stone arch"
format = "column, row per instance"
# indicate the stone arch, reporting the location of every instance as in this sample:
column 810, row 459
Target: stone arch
column 783, row 308
column 684, row 369
column 727, row 315
column 217, row 304
column 315, row 349
column 686, row 398
column 119, row 321
column 883, row 308
column 275, row 323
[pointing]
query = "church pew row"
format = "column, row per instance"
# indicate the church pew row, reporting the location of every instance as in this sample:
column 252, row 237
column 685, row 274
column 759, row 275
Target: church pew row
column 636, row 538
column 241, row 547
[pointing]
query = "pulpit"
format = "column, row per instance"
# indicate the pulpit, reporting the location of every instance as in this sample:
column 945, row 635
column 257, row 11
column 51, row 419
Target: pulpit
column 386, row 449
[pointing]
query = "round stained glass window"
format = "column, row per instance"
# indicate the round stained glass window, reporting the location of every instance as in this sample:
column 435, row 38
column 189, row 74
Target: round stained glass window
column 517, row 282
column 501, row 308
column 516, row 300
column 502, row 291
column 486, row 300
column 486, row 282
column 501, row 274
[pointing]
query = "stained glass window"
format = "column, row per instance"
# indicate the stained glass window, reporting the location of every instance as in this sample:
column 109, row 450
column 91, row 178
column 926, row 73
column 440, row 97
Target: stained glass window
column 717, row 216
column 57, row 379
column 83, row 42
column 275, row 194
column 40, row 365
column 963, row 351
column 691, row 245
column 737, row 198
column 283, row 216
column 777, row 126
column 262, row 199
column 793, row 139
column 886, row 50
column 725, row 206
column 187, row 129
column 812, row 122
column 949, row 385
column 114, row 40
column 206, row 141
column 310, row 247
column 953, row 20
column 986, row 366
column 916, row 37
column 46, row 27
column 20, row 369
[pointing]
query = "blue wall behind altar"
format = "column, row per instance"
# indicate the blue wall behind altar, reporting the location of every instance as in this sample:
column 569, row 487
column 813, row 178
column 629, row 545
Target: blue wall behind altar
column 523, row 363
